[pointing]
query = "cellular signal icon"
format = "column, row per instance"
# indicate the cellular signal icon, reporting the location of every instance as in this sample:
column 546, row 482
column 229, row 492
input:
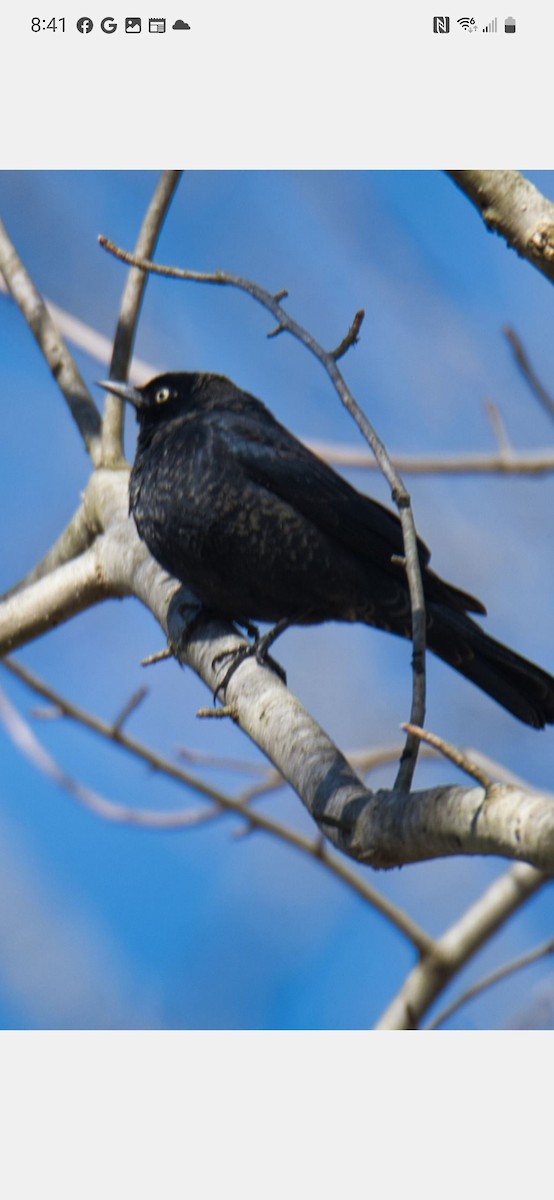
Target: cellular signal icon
column 492, row 26
column 468, row 23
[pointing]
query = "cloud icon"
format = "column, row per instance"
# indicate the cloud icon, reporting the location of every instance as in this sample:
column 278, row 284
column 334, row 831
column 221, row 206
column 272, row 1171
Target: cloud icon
column 180, row 25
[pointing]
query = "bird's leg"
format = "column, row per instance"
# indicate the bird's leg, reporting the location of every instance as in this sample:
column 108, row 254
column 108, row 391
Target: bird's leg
column 262, row 644
column 258, row 650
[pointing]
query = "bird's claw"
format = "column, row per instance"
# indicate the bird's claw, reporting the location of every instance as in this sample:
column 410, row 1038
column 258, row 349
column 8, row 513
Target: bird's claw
column 257, row 650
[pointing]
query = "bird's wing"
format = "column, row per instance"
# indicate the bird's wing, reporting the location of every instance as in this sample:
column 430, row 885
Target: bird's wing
column 273, row 459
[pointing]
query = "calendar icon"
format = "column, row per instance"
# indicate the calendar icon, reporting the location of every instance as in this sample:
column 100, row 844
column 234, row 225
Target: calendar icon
column 156, row 25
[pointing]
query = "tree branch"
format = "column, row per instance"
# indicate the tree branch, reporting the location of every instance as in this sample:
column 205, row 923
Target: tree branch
column 518, row 964
column 511, row 206
column 187, row 818
column 84, row 336
column 529, row 374
column 82, row 406
column 505, row 896
column 131, row 303
column 68, row 590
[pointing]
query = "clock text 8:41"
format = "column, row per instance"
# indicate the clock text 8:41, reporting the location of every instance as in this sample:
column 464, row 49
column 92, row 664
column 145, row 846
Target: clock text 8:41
column 39, row 23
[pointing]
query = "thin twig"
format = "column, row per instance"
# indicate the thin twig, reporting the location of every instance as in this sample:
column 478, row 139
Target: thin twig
column 112, row 733
column 518, row 964
column 223, row 762
column 351, row 338
column 530, row 376
column 114, row 417
column 456, row 756
column 400, row 495
column 129, row 708
column 499, row 429
column 29, row 745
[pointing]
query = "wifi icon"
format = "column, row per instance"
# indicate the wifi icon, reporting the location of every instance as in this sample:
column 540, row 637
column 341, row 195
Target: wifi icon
column 468, row 23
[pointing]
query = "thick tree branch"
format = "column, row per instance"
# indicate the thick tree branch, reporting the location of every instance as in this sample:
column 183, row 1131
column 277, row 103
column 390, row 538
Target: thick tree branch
column 511, row 206
column 68, row 590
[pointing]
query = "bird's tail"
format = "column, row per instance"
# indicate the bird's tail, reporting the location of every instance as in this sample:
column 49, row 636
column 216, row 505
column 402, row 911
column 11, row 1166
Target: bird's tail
column 517, row 684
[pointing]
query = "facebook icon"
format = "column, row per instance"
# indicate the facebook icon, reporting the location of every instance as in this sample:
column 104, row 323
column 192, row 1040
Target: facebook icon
column 84, row 25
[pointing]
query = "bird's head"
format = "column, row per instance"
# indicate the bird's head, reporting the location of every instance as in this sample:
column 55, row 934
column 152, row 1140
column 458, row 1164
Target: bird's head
column 163, row 397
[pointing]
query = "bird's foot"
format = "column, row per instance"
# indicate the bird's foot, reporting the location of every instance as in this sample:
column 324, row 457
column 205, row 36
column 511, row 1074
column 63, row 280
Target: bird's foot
column 258, row 650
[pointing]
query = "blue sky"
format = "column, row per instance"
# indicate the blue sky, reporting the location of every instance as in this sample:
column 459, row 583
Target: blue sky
column 103, row 926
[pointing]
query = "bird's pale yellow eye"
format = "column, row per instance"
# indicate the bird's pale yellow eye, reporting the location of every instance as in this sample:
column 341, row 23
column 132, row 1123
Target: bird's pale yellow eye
column 163, row 395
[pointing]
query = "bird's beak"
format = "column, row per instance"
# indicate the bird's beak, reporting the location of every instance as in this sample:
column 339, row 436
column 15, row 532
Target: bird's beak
column 125, row 391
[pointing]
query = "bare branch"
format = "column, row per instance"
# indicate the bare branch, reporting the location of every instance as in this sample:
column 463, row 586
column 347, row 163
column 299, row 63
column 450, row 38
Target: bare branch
column 498, row 427
column 530, row 376
column 351, row 338
column 29, row 745
column 62, row 365
column 511, row 206
column 129, row 708
column 68, row 590
column 533, row 462
column 188, row 818
column 114, row 417
column 517, row 964
column 400, row 495
column 82, row 335
column 422, row 986
column 456, row 756
column 114, row 733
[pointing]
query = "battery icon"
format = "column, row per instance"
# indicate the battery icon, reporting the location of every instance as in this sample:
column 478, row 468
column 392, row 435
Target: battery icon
column 510, row 25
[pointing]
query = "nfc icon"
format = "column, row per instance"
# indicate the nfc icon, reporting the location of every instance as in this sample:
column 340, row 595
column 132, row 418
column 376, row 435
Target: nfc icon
column 441, row 24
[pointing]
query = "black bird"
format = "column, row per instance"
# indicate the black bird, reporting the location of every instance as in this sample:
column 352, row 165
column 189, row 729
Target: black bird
column 231, row 504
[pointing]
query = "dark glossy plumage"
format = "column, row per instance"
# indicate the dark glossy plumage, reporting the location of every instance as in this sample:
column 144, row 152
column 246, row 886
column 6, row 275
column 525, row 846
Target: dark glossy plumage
column 231, row 504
